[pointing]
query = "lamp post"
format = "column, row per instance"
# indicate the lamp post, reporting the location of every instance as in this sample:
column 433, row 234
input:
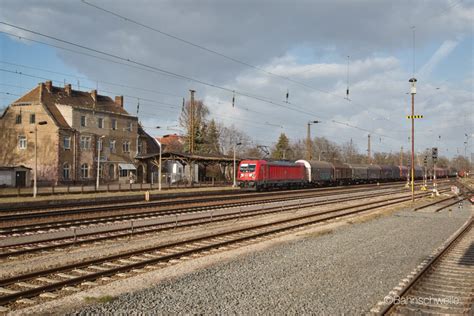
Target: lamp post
column 308, row 140
column 234, row 173
column 35, row 187
column 159, row 162
column 413, row 92
column 99, row 148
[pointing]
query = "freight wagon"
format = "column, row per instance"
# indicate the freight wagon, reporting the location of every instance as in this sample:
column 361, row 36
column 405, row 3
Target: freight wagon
column 319, row 172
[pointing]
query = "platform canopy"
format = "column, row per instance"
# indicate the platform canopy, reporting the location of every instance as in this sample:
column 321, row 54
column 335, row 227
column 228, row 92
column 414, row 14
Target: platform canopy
column 189, row 158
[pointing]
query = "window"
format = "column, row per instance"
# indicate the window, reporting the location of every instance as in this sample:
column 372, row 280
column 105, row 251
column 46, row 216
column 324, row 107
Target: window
column 83, row 121
column 66, row 171
column 123, row 172
column 129, row 126
column 140, row 146
column 126, row 147
column 18, row 119
column 85, row 170
column 32, row 118
column 247, row 168
column 100, row 122
column 67, row 142
column 85, row 142
column 114, row 124
column 22, row 142
column 112, row 146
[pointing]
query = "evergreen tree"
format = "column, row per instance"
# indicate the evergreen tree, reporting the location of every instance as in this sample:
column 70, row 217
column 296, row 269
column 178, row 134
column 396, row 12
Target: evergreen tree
column 212, row 145
column 281, row 150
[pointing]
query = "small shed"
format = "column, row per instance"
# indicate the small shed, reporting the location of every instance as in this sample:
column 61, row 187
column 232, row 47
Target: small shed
column 15, row 176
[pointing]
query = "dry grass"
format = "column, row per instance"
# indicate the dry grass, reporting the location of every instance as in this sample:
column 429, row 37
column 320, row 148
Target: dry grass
column 318, row 233
column 99, row 299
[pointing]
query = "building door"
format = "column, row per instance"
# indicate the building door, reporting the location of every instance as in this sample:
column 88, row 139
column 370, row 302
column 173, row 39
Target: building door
column 140, row 173
column 20, row 179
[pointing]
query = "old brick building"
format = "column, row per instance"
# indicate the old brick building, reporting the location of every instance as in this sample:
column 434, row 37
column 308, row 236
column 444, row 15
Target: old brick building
column 78, row 124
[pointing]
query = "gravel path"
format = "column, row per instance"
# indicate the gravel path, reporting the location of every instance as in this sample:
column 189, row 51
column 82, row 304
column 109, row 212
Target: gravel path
column 346, row 271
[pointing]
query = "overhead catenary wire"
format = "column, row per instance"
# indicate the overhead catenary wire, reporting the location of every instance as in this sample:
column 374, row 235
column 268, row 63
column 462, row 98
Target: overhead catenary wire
column 85, row 78
column 127, row 19
column 209, row 50
column 166, row 72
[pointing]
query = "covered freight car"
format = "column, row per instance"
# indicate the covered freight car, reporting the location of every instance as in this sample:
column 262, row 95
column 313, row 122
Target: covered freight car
column 342, row 173
column 389, row 173
column 373, row 172
column 319, row 172
column 359, row 173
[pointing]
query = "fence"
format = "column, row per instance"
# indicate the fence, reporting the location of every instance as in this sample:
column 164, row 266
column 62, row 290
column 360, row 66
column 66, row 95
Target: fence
column 119, row 187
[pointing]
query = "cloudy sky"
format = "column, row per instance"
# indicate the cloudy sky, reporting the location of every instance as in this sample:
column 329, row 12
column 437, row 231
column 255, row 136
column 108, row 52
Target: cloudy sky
column 260, row 50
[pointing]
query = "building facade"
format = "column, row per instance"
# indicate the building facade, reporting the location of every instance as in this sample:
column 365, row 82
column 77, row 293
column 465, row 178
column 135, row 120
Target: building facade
column 70, row 130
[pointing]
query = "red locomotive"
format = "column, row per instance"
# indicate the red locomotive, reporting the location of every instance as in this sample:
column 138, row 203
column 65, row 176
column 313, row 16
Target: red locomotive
column 262, row 174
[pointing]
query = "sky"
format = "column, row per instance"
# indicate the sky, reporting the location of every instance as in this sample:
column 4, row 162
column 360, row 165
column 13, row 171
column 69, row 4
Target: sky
column 256, row 52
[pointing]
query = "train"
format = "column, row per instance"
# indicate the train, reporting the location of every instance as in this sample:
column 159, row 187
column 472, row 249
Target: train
column 265, row 174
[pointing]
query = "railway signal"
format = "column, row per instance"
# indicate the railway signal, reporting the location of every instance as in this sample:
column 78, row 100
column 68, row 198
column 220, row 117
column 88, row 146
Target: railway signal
column 434, row 154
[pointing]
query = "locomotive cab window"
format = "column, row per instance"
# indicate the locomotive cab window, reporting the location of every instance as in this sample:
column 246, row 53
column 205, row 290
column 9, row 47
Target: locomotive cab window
column 247, row 168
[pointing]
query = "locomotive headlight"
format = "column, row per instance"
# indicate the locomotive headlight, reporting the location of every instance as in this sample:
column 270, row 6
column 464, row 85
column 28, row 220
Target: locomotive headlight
column 252, row 175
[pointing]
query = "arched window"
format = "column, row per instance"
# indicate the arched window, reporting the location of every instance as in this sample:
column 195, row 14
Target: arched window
column 85, row 170
column 66, row 171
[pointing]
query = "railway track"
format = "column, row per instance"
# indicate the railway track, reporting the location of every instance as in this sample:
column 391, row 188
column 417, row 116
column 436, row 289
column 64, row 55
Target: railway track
column 444, row 285
column 91, row 206
column 73, row 238
column 28, row 223
column 441, row 204
column 50, row 283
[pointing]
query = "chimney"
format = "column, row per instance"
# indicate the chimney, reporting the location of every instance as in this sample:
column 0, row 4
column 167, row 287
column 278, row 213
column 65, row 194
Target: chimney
column 68, row 89
column 49, row 86
column 41, row 88
column 94, row 95
column 119, row 100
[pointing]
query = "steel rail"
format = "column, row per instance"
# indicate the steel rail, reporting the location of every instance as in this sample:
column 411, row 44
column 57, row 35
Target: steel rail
column 8, row 250
column 320, row 217
column 139, row 214
column 390, row 308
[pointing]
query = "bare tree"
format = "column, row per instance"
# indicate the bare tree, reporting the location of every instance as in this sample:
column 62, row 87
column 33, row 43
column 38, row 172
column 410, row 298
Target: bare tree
column 194, row 124
column 229, row 136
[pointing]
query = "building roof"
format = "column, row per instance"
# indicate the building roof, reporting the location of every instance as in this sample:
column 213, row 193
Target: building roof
column 189, row 157
column 13, row 167
column 167, row 139
column 50, row 96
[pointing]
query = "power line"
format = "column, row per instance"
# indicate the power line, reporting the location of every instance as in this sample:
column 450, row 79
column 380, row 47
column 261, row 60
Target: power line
column 154, row 29
column 207, row 49
column 162, row 71
column 88, row 79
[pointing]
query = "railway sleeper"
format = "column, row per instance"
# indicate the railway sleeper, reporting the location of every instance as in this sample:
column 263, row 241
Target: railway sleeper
column 429, row 292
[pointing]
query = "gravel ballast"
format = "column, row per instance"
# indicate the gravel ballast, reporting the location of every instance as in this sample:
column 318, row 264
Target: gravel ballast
column 345, row 271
